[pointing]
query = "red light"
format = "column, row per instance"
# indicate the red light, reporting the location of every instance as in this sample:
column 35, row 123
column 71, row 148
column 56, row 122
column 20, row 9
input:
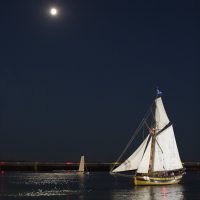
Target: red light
column 69, row 163
column 2, row 163
column 164, row 192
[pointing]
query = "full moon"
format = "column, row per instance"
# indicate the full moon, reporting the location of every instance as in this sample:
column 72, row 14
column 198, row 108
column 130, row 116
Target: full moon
column 53, row 11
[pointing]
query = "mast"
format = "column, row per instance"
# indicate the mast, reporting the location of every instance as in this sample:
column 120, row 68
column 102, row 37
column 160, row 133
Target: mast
column 152, row 132
column 152, row 153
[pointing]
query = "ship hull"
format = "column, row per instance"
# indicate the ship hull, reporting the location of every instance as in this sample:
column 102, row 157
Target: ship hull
column 147, row 180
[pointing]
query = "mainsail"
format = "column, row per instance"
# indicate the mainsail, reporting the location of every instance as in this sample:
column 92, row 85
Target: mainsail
column 166, row 155
column 159, row 147
column 166, row 152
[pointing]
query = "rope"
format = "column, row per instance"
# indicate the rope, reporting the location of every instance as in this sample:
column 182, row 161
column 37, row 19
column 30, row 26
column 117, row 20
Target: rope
column 127, row 146
column 132, row 138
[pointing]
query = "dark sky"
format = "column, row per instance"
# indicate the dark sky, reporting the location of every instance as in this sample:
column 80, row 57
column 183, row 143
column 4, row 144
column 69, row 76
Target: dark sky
column 80, row 82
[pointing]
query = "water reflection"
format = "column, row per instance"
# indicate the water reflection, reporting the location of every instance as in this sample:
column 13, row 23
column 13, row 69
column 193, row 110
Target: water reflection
column 175, row 192
column 98, row 186
column 82, row 178
column 42, row 185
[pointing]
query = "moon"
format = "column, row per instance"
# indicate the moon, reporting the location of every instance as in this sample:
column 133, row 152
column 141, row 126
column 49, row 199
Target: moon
column 53, row 11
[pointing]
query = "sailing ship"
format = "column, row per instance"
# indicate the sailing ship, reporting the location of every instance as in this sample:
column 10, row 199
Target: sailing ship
column 82, row 166
column 156, row 161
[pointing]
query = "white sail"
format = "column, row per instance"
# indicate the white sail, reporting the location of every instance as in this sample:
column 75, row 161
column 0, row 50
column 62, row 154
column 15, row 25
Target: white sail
column 160, row 114
column 166, row 155
column 144, row 164
column 134, row 160
column 82, row 164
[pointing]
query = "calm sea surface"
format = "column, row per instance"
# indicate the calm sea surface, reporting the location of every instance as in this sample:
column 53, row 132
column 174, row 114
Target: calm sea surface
column 99, row 185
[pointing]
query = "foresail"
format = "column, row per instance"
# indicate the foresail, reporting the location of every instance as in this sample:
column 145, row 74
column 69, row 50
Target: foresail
column 160, row 115
column 166, row 152
column 144, row 164
column 134, row 160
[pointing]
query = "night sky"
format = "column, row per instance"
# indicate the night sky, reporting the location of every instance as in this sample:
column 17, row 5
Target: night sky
column 80, row 82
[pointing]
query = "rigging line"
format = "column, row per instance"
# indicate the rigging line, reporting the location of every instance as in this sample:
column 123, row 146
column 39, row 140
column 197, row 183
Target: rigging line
column 147, row 125
column 149, row 111
column 159, row 145
column 134, row 135
column 153, row 112
column 167, row 126
column 162, row 153
column 129, row 143
column 132, row 138
column 143, row 131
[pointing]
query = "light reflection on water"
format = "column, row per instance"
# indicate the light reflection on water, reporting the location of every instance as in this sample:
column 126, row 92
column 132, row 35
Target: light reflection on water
column 100, row 185
column 175, row 192
column 41, row 184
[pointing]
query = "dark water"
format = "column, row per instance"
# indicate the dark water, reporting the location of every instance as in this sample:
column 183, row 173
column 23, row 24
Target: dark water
column 100, row 185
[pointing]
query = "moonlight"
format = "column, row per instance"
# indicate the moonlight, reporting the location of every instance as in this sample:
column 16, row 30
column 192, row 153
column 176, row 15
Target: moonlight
column 53, row 11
